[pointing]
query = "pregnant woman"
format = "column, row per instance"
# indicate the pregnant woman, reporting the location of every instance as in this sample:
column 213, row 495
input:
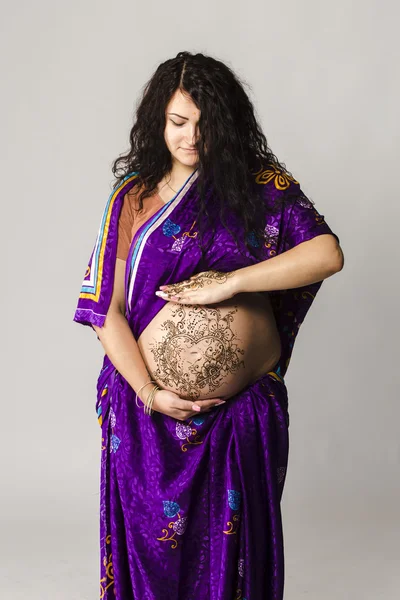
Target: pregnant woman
column 208, row 257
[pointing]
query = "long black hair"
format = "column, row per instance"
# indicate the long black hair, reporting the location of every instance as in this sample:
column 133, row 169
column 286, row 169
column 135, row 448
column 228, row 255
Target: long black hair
column 236, row 148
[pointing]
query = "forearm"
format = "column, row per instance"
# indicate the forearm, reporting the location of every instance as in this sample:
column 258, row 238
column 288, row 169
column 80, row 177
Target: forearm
column 305, row 264
column 121, row 347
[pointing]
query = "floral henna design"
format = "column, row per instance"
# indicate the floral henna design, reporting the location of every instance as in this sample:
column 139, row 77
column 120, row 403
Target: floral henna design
column 198, row 351
column 199, row 281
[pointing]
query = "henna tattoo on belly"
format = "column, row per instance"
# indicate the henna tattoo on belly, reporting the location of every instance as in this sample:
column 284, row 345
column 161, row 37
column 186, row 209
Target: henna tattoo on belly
column 198, row 350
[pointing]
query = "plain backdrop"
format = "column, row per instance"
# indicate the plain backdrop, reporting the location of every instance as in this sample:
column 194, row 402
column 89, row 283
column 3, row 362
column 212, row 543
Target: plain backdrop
column 324, row 79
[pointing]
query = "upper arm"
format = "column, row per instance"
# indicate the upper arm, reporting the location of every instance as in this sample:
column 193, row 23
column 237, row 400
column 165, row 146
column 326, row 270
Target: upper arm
column 118, row 295
column 117, row 303
column 125, row 223
column 303, row 221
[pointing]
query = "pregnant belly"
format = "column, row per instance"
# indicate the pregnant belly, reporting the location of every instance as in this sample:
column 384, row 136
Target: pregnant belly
column 212, row 351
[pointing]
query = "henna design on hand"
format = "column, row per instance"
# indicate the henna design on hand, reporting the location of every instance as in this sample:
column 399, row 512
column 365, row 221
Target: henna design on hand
column 199, row 281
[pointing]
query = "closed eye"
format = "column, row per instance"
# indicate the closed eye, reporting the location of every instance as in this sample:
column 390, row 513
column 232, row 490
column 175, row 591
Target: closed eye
column 177, row 124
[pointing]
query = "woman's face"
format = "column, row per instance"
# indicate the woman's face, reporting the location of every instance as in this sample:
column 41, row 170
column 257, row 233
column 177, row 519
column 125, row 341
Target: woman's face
column 181, row 129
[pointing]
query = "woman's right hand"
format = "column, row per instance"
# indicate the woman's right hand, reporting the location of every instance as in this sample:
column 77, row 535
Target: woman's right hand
column 171, row 404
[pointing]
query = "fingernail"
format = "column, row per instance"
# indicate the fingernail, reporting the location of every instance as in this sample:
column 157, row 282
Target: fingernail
column 196, row 407
column 161, row 294
column 218, row 403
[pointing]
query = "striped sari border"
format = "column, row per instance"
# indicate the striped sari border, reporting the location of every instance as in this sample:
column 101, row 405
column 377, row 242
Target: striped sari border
column 151, row 226
column 91, row 288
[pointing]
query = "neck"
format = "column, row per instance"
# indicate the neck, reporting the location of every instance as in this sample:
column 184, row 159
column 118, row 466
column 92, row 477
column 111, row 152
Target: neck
column 179, row 174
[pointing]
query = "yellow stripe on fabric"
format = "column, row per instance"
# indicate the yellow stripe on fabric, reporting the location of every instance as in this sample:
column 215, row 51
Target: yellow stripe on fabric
column 275, row 376
column 96, row 296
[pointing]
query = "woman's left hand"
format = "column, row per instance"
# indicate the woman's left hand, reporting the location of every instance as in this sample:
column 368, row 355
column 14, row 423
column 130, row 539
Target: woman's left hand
column 208, row 287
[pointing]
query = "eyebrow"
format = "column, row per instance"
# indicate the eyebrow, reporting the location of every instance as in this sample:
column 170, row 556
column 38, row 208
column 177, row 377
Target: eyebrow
column 171, row 113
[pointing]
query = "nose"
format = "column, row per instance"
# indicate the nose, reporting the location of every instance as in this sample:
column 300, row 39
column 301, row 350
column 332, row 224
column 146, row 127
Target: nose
column 192, row 136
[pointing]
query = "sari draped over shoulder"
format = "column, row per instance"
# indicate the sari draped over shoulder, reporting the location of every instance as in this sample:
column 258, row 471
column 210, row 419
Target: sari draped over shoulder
column 190, row 510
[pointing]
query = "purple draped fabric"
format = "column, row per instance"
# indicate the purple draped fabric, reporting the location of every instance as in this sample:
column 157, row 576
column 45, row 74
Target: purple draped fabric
column 191, row 510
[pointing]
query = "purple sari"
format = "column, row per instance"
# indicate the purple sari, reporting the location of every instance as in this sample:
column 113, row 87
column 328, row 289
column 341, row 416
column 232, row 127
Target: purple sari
column 190, row 510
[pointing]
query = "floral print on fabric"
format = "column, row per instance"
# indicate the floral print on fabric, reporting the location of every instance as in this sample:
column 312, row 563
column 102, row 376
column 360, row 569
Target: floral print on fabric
column 280, row 179
column 171, row 229
column 185, row 431
column 114, row 440
column 243, row 446
column 234, row 502
column 108, row 580
column 172, row 509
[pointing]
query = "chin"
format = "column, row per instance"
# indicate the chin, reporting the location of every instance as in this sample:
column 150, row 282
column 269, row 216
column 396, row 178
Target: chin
column 188, row 161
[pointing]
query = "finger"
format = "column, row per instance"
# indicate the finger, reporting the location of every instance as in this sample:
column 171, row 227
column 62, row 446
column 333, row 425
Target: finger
column 177, row 287
column 175, row 296
column 183, row 405
column 212, row 403
column 188, row 298
column 182, row 298
column 209, row 403
column 177, row 290
column 181, row 287
column 188, row 405
column 166, row 293
column 186, row 416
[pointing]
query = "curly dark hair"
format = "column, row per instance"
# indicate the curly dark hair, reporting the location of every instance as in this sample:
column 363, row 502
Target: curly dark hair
column 236, row 148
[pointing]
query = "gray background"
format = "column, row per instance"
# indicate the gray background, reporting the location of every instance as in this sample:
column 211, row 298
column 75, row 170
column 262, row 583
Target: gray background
column 325, row 84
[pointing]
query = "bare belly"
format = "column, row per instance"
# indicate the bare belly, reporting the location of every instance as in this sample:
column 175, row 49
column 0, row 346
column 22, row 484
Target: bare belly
column 213, row 351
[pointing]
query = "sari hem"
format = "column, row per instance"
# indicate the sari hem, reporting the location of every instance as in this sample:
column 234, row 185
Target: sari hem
column 86, row 316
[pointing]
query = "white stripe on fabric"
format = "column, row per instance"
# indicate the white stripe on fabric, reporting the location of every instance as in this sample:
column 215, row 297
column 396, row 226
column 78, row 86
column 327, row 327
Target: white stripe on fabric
column 154, row 226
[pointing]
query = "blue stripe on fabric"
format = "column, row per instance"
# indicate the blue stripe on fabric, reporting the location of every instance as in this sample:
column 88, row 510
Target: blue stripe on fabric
column 147, row 227
column 91, row 289
column 136, row 249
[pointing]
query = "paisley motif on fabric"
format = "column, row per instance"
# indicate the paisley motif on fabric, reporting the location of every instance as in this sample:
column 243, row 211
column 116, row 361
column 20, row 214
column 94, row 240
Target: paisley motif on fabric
column 170, row 229
column 234, row 502
column 241, row 567
column 108, row 580
column 272, row 234
column 179, row 242
column 304, row 201
column 178, row 527
column 253, row 239
column 234, row 499
column 184, row 431
column 114, row 440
